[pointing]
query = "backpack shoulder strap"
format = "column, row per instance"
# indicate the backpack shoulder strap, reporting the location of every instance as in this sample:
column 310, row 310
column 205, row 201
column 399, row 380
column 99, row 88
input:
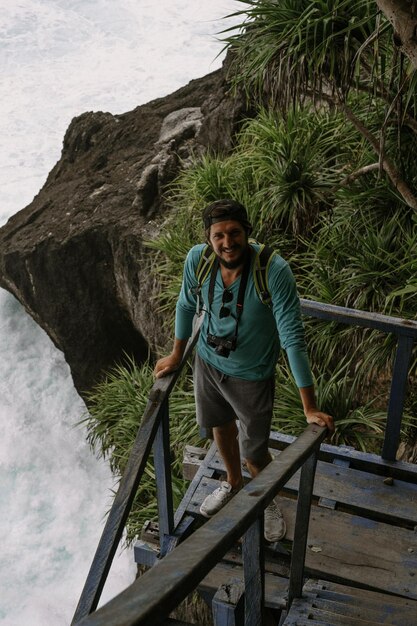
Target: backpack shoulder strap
column 205, row 264
column 262, row 261
column 260, row 272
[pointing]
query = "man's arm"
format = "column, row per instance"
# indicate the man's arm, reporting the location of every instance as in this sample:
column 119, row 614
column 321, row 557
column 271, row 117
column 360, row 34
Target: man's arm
column 169, row 363
column 184, row 314
column 312, row 413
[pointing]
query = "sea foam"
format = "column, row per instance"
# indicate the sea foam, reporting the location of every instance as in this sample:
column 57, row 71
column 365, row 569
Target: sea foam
column 59, row 58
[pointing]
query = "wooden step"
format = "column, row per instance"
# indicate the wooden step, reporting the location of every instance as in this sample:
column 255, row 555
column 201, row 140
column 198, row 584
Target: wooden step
column 367, row 553
column 378, row 497
column 334, row 605
column 347, row 547
column 276, row 587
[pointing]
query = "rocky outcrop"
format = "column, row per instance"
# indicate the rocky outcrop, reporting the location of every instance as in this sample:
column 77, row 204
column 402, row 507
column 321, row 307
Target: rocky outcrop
column 75, row 256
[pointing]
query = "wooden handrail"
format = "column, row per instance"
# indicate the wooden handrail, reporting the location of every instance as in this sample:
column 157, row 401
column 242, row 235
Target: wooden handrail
column 116, row 520
column 354, row 317
column 150, row 599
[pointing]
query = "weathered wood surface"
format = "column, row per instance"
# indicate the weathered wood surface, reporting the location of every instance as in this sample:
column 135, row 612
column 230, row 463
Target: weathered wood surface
column 334, row 604
column 365, row 552
column 151, row 598
column 276, row 587
column 135, row 467
column 353, row 317
column 394, row 501
column 353, row 548
column 357, row 459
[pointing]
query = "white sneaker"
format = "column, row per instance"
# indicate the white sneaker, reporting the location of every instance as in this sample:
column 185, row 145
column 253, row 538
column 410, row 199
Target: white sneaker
column 216, row 500
column 274, row 523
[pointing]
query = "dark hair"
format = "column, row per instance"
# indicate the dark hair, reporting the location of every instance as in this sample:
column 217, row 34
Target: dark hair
column 226, row 209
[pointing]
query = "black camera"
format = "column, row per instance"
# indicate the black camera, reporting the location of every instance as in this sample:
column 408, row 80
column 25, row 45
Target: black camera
column 222, row 345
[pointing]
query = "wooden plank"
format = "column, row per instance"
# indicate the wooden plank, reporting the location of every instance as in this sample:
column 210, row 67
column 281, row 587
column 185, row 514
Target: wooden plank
column 350, row 612
column 228, row 604
column 356, row 490
column 328, row 589
column 303, row 613
column 365, row 493
column 192, row 459
column 354, row 317
column 366, row 461
column 190, row 496
column 368, row 553
column 397, row 397
column 254, row 572
column 382, row 614
column 276, row 587
column 355, row 610
column 162, row 464
column 301, row 528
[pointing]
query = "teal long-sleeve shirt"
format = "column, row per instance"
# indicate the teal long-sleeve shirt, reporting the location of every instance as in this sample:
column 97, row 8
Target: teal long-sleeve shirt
column 262, row 329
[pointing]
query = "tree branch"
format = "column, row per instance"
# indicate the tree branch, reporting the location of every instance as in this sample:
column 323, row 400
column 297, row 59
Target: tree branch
column 387, row 165
column 403, row 16
column 354, row 175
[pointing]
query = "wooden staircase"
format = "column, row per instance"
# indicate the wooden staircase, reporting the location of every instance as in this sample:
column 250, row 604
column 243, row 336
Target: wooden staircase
column 362, row 539
column 330, row 604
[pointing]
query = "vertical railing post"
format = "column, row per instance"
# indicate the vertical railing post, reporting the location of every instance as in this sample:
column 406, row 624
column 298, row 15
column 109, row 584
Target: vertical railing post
column 254, row 573
column 228, row 604
column 305, row 491
column 397, row 397
column 162, row 464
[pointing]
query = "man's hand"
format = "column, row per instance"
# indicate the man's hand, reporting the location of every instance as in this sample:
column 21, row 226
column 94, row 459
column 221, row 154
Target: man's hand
column 320, row 418
column 166, row 365
column 170, row 363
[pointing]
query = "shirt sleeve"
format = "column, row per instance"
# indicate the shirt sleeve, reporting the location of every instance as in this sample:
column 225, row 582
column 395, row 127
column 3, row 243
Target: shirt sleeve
column 187, row 300
column 287, row 313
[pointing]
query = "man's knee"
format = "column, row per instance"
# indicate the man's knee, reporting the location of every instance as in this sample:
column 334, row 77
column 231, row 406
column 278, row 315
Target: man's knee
column 227, row 428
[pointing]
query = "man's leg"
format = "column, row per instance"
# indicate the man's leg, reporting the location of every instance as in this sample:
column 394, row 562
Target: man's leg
column 255, row 468
column 275, row 527
column 226, row 438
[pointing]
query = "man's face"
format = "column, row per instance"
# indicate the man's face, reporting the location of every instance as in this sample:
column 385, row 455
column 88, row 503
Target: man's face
column 229, row 242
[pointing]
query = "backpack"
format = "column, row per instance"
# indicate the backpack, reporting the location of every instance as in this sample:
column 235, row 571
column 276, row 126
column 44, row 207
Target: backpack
column 263, row 258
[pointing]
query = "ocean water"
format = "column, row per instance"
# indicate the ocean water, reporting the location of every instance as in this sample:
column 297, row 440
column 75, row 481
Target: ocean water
column 59, row 58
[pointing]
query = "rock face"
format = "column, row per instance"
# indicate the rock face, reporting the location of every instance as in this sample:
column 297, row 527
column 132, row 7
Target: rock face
column 75, row 256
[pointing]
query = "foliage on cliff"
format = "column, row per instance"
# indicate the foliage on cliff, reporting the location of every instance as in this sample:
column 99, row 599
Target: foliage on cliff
column 327, row 171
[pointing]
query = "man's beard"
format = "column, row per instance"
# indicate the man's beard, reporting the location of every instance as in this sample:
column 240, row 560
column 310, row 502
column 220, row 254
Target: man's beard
column 232, row 265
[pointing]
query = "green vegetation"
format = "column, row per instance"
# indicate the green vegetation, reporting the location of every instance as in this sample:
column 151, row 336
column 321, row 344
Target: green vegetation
column 327, row 171
column 115, row 410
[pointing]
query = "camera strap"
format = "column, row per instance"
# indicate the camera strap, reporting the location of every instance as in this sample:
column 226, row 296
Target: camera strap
column 242, row 287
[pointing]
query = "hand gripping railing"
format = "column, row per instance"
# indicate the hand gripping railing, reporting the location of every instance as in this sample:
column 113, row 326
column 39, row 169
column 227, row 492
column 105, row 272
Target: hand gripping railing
column 150, row 599
column 406, row 334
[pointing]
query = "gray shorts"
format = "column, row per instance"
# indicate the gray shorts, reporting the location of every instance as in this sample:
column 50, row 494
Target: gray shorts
column 220, row 399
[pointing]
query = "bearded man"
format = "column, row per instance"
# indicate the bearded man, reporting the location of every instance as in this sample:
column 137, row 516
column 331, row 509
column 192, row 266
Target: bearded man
column 238, row 348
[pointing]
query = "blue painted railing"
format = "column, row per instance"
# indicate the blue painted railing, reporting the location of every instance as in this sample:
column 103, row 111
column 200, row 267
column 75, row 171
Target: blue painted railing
column 406, row 333
column 154, row 431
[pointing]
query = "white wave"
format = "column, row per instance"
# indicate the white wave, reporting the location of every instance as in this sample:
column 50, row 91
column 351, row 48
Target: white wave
column 59, row 58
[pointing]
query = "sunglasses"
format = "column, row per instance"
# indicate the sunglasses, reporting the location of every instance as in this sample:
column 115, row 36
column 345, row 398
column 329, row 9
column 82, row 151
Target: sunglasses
column 227, row 297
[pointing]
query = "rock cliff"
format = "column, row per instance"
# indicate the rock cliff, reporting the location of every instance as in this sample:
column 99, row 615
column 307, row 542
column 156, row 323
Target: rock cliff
column 75, row 257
